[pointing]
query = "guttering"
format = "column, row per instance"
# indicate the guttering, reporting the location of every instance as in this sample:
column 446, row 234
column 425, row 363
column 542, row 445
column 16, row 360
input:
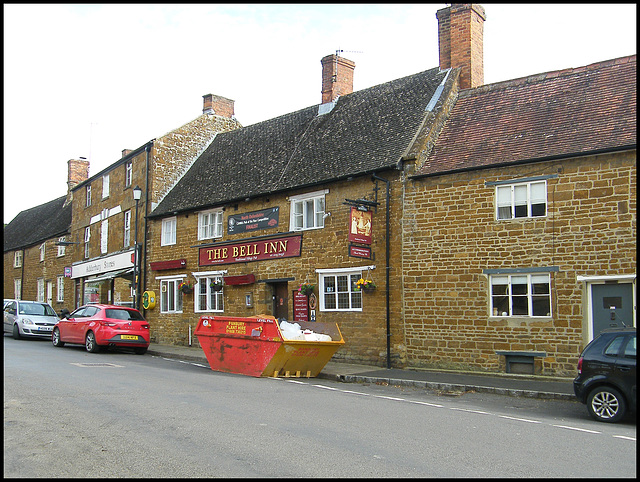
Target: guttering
column 558, row 157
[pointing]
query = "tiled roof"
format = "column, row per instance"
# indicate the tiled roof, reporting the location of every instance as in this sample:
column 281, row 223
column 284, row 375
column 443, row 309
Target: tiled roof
column 555, row 114
column 38, row 224
column 367, row 131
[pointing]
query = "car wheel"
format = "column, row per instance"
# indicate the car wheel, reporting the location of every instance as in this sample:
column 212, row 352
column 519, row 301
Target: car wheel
column 90, row 343
column 141, row 351
column 606, row 404
column 16, row 332
column 55, row 338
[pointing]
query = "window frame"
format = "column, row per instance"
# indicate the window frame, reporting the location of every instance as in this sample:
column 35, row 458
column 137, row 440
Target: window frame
column 17, row 259
column 60, row 289
column 173, row 233
column 126, row 235
column 61, row 247
column 171, row 283
column 87, row 239
column 128, row 173
column 40, row 290
column 533, row 280
column 318, row 200
column 214, row 227
column 104, row 236
column 88, row 188
column 354, row 297
column 105, row 186
column 514, row 205
column 17, row 288
column 203, row 280
column 42, row 251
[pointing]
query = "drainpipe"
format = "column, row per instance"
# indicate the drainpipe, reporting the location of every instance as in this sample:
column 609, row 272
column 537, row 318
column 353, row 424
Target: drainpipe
column 22, row 277
column 374, row 178
column 146, row 210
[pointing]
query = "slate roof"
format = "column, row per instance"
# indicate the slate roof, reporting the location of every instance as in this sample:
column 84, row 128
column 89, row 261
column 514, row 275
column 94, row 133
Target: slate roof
column 36, row 225
column 556, row 114
column 367, row 131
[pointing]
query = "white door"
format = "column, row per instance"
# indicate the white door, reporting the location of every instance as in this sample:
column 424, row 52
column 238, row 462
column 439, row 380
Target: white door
column 50, row 292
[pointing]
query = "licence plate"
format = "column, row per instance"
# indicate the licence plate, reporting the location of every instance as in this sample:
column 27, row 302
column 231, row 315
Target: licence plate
column 128, row 337
column 45, row 328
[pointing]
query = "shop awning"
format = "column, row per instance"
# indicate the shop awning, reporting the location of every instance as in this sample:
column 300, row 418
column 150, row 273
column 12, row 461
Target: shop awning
column 110, row 275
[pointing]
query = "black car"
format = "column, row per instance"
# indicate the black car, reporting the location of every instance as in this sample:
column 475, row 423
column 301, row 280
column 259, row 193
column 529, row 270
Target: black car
column 606, row 379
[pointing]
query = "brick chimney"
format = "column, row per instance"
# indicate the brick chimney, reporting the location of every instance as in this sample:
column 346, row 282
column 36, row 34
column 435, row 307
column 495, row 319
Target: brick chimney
column 126, row 152
column 460, row 38
column 337, row 77
column 78, row 172
column 216, row 105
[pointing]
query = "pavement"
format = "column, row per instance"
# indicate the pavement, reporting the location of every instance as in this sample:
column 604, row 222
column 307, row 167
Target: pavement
column 530, row 386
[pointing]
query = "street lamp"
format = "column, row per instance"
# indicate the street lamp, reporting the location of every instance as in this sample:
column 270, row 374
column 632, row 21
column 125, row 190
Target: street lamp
column 137, row 194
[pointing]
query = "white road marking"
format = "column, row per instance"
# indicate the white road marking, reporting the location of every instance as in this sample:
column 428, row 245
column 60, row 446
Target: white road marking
column 426, row 403
column 519, row 419
column 470, row 411
column 576, row 428
column 633, row 439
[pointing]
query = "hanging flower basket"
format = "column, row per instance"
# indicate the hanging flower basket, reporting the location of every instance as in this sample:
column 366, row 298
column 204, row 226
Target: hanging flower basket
column 185, row 287
column 216, row 285
column 306, row 288
column 365, row 285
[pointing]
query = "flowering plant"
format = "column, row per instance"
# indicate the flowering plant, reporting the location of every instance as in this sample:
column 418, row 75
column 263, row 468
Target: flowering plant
column 365, row 284
column 185, row 287
column 216, row 284
column 306, row 288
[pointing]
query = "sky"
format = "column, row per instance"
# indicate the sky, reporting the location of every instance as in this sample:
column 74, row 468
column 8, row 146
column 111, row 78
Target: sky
column 92, row 80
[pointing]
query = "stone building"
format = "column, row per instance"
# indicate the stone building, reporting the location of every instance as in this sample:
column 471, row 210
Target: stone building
column 494, row 211
column 35, row 256
column 519, row 239
column 87, row 237
column 496, row 221
column 314, row 196
column 105, row 226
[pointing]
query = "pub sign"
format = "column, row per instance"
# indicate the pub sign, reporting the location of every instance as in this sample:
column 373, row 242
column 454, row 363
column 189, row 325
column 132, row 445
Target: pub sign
column 263, row 219
column 360, row 226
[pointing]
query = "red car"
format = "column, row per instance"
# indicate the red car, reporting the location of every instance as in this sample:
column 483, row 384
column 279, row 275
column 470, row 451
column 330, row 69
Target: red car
column 98, row 326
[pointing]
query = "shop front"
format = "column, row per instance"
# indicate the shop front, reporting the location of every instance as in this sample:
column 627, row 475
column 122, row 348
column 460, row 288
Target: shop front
column 105, row 280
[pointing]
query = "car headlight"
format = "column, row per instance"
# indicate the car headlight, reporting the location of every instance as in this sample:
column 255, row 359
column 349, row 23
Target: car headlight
column 27, row 321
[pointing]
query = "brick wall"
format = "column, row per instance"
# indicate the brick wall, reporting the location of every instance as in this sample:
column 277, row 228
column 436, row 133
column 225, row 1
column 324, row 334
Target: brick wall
column 169, row 157
column 177, row 150
column 34, row 269
column 451, row 235
column 460, row 40
column 364, row 332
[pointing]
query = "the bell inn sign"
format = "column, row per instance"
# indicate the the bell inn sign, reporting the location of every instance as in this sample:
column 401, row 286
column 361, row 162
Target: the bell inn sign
column 255, row 249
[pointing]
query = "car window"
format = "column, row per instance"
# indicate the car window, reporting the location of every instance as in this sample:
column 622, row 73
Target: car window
column 90, row 311
column 614, row 347
column 79, row 313
column 122, row 314
column 41, row 309
column 630, row 349
column 11, row 308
